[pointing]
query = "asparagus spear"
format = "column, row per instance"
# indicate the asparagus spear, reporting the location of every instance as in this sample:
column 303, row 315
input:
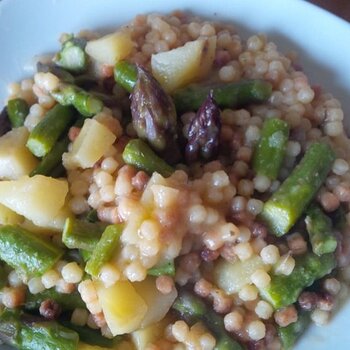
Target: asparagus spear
column 27, row 252
column 104, row 249
column 285, row 290
column 80, row 234
column 287, row 204
column 140, row 155
column 85, row 103
column 61, row 73
column 44, row 136
column 319, row 228
column 17, row 110
column 194, row 309
column 290, row 334
column 67, row 302
column 167, row 268
column 27, row 332
column 125, row 74
column 270, row 150
column 5, row 124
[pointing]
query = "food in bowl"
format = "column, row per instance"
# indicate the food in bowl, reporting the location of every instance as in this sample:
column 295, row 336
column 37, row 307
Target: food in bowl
column 170, row 186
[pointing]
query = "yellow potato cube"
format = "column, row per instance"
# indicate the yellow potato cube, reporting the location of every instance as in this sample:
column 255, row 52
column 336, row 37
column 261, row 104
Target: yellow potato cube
column 9, row 217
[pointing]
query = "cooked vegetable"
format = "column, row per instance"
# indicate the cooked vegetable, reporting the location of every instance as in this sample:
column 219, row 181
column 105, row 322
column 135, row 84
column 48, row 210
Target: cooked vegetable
column 110, row 48
column 319, row 227
column 60, row 73
column 84, row 102
column 193, row 308
column 29, row 332
column 9, row 217
column 5, row 124
column 271, row 148
column 104, row 250
column 47, row 132
column 154, row 116
column 92, row 142
column 125, row 74
column 290, row 334
column 285, row 290
column 185, row 64
column 139, row 154
column 287, row 204
column 166, row 268
column 230, row 95
column 38, row 198
column 27, row 252
column 80, row 234
column 15, row 158
column 72, row 56
column 17, row 110
column 204, row 132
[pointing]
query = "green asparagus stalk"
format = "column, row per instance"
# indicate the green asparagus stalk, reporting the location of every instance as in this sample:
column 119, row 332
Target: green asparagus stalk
column 29, row 332
column 229, row 95
column 5, row 124
column 290, row 334
column 44, row 136
column 167, row 268
column 27, row 252
column 140, row 155
column 67, row 302
column 319, row 228
column 104, row 249
column 125, row 74
column 287, row 204
column 17, row 110
column 194, row 309
column 285, row 290
column 80, row 234
column 84, row 102
column 271, row 148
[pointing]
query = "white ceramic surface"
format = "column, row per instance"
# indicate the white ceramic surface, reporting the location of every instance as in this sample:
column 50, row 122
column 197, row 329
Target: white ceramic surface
column 31, row 27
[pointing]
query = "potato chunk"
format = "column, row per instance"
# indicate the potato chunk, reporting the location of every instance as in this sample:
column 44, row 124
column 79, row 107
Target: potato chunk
column 110, row 48
column 185, row 64
column 15, row 158
column 9, row 217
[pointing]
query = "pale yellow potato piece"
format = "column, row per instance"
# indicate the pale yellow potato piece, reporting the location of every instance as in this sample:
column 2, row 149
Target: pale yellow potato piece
column 158, row 304
column 183, row 65
column 110, row 48
column 123, row 308
column 15, row 158
column 92, row 142
column 9, row 217
column 38, row 198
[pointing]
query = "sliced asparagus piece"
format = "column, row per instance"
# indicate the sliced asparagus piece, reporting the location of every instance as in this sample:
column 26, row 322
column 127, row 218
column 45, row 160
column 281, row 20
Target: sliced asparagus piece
column 17, row 110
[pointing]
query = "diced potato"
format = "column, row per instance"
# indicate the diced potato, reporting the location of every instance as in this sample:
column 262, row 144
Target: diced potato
column 15, row 158
column 158, row 304
column 110, row 48
column 38, row 198
column 185, row 64
column 92, row 142
column 9, row 217
column 231, row 277
column 123, row 308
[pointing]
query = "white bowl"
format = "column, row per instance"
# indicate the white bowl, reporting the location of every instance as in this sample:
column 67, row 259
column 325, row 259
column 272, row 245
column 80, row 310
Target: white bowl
column 31, row 27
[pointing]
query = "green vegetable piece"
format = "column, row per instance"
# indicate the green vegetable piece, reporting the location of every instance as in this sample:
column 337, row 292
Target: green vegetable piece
column 229, row 95
column 84, row 102
column 28, row 332
column 167, row 268
column 271, row 148
column 45, row 134
column 3, row 275
column 72, row 56
column 104, row 249
column 125, row 74
column 68, row 302
column 140, row 155
column 5, row 124
column 287, row 204
column 27, row 252
column 319, row 228
column 290, row 334
column 17, row 110
column 285, row 290
column 194, row 309
column 80, row 234
column 60, row 73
